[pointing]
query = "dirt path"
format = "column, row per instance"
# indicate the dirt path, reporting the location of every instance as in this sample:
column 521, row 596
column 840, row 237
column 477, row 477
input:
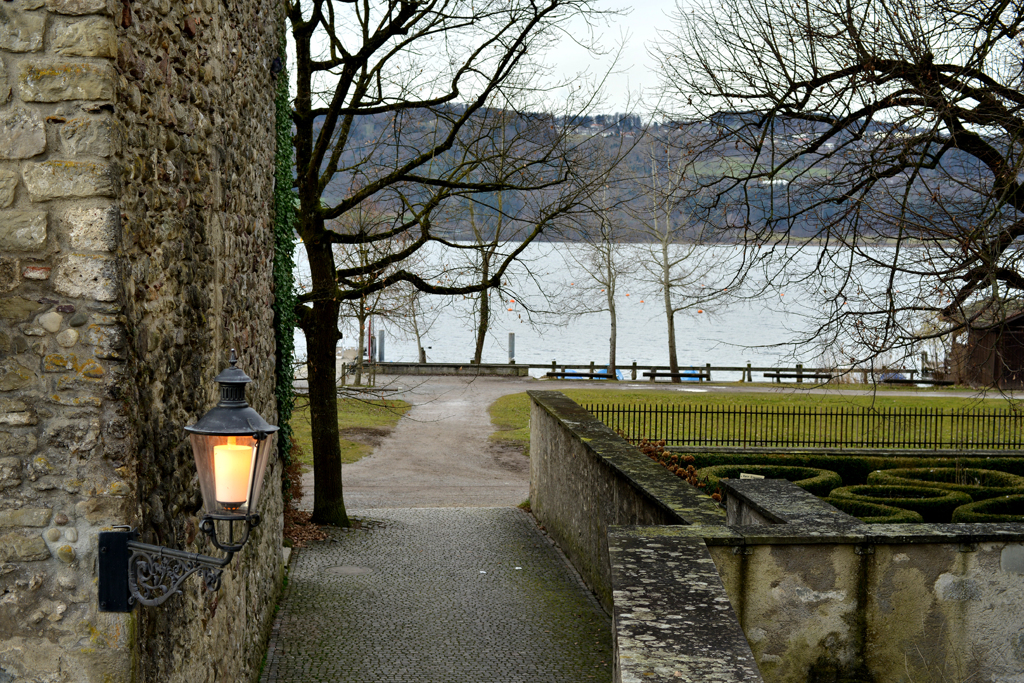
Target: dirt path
column 439, row 454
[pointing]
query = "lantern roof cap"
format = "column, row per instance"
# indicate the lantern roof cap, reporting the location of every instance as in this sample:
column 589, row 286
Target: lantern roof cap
column 232, row 414
column 232, row 375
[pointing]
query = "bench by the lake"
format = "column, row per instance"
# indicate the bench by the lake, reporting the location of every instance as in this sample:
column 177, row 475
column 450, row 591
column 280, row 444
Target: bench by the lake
column 570, row 374
column 798, row 376
column 694, row 375
column 934, row 382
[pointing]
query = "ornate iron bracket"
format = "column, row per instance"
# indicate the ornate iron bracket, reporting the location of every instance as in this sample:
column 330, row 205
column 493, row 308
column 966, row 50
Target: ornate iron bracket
column 156, row 573
column 133, row 572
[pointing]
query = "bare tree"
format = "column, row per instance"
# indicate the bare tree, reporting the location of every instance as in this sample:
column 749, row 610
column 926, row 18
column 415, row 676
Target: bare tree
column 386, row 94
column 876, row 146
column 599, row 259
column 681, row 261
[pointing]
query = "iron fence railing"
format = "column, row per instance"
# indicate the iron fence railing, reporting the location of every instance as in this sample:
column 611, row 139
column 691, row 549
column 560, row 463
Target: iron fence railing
column 838, row 427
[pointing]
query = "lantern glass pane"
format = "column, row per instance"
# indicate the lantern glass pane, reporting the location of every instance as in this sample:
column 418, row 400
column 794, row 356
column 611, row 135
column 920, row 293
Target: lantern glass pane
column 226, row 465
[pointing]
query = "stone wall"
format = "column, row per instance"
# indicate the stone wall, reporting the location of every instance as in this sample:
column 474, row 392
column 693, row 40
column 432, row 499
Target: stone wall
column 820, row 596
column 585, row 479
column 136, row 152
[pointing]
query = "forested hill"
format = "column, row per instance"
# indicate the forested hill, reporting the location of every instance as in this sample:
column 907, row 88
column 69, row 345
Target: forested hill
column 653, row 155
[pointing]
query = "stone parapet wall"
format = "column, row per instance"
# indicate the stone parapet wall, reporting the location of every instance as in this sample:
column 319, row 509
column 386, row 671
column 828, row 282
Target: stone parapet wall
column 584, row 479
column 820, row 596
column 136, row 174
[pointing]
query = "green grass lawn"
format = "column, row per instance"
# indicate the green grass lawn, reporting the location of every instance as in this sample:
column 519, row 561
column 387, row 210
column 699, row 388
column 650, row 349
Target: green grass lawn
column 353, row 414
column 511, row 414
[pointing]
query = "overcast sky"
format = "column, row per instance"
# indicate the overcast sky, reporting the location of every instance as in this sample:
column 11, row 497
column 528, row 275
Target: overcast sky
column 634, row 72
column 635, row 69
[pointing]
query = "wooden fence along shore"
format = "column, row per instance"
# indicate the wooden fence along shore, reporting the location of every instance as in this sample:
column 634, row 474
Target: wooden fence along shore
column 748, row 373
column 795, row 427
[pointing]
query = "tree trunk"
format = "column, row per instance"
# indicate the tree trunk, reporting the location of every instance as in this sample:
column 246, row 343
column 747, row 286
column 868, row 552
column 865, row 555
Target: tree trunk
column 613, row 336
column 485, row 309
column 322, row 336
column 670, row 316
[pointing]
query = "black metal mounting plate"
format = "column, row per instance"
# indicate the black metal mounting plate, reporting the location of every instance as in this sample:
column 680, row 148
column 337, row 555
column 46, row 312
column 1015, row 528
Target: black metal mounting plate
column 113, row 571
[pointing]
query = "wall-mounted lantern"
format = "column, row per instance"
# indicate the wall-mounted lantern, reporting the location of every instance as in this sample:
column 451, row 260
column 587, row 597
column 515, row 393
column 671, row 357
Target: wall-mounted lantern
column 231, row 445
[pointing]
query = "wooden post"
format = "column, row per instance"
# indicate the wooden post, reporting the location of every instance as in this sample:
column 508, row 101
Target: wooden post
column 633, row 374
column 591, row 368
column 344, row 371
column 652, row 373
column 749, row 376
column 553, row 368
column 799, row 373
column 708, row 366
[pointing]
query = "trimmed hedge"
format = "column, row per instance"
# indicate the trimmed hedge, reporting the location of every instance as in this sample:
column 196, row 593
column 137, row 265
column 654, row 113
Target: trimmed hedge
column 983, row 484
column 854, row 469
column 1005, row 509
column 875, row 513
column 813, row 480
column 934, row 505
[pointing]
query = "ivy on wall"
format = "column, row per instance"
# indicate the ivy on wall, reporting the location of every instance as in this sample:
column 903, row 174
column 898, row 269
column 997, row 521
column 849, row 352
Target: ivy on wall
column 284, row 261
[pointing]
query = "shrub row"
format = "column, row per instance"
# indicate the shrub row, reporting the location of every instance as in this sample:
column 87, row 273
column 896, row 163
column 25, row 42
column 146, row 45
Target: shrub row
column 855, row 469
column 813, row 480
column 915, row 489
column 1005, row 509
column 977, row 483
column 934, row 505
column 875, row 513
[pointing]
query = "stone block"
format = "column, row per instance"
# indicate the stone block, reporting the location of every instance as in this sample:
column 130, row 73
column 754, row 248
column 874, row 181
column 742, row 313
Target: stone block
column 80, row 275
column 76, row 401
column 42, row 82
column 102, row 510
column 10, row 472
column 36, row 273
column 61, row 362
column 68, row 338
column 36, row 517
column 59, row 179
column 16, row 413
column 21, row 31
column 108, row 340
column 89, row 136
column 51, row 321
column 9, row 276
column 18, row 308
column 92, row 37
column 16, row 443
column 77, row 7
column 14, row 375
column 21, row 548
column 22, row 134
column 8, row 183
column 22, row 230
column 92, row 228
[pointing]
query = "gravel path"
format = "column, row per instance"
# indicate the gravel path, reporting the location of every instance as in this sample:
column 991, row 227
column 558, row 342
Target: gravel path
column 439, row 454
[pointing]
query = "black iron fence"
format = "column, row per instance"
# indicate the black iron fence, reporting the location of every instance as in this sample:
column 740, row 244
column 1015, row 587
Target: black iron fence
column 793, row 427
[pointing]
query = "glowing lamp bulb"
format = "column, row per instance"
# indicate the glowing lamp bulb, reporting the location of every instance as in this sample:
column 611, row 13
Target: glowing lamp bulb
column 232, row 467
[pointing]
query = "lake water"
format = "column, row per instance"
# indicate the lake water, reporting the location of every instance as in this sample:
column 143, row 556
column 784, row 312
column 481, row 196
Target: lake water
column 536, row 295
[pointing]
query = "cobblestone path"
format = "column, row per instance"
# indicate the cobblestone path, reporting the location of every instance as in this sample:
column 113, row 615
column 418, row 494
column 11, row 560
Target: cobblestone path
column 437, row 595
